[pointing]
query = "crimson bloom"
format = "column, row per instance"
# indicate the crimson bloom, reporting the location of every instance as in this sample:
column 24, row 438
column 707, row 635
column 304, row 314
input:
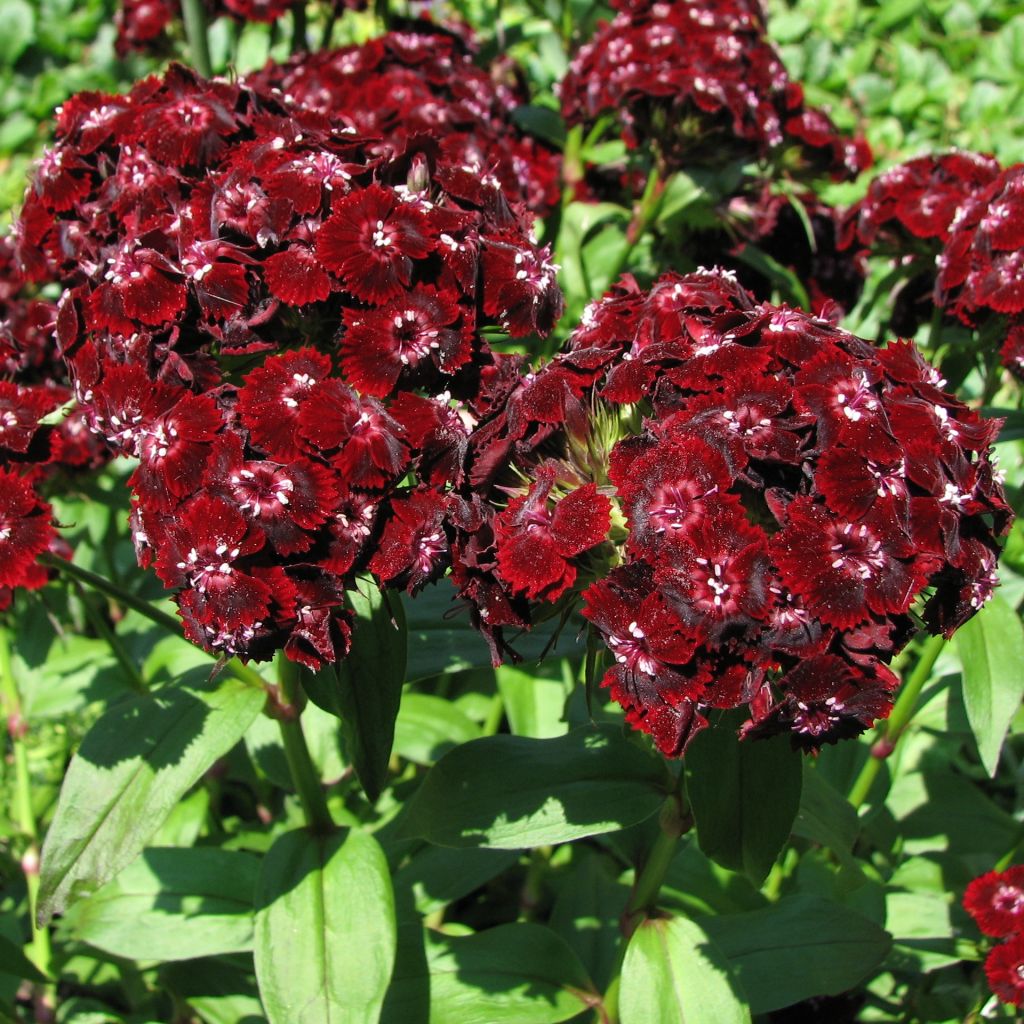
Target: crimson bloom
column 535, row 544
column 1004, row 968
column 786, row 499
column 281, row 321
column 996, row 901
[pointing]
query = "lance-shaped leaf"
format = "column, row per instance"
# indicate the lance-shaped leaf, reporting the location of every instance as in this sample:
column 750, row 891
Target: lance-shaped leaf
column 513, row 974
column 133, row 767
column 744, row 797
column 801, row 947
column 991, row 649
column 365, row 689
column 674, row 974
column 510, row 792
column 325, row 929
column 172, row 903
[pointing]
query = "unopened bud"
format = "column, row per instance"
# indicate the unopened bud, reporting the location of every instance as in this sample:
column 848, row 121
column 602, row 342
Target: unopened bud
column 418, row 179
column 30, row 862
column 882, row 748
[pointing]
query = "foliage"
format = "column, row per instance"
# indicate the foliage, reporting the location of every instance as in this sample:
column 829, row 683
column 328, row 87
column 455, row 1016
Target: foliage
column 411, row 834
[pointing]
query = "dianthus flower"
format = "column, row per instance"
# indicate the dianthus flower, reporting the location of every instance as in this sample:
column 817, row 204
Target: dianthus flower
column 702, row 82
column 279, row 318
column 980, row 269
column 1004, row 969
column 908, row 214
column 407, row 83
column 804, row 240
column 996, row 901
column 785, row 498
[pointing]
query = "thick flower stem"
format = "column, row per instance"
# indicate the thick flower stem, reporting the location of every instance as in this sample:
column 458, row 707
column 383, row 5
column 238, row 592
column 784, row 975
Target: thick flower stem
column 24, row 817
column 111, row 589
column 299, row 41
column 194, row 16
column 102, row 627
column 895, row 725
column 304, row 774
column 645, row 212
column 160, row 618
column 675, row 821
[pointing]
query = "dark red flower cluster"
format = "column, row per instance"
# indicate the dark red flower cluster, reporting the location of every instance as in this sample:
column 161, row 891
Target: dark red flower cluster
column 981, row 269
column 702, row 82
column 791, row 496
column 996, row 902
column 907, row 215
column 406, row 84
column 227, row 253
column 34, row 388
column 803, row 240
column 142, row 24
column 918, row 200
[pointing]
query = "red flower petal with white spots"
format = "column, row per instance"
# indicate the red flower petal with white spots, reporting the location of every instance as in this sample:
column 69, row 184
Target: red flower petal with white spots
column 1004, row 968
column 269, row 402
column 996, row 901
column 25, row 531
column 416, row 328
column 295, row 277
column 370, row 241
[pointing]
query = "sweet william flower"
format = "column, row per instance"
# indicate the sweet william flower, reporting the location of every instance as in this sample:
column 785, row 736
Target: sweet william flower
column 1004, row 968
column 996, row 901
column 282, row 323
column 26, row 531
column 790, row 496
column 535, row 544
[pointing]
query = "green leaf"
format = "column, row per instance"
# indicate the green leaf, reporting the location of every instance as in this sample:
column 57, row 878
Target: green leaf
column 325, row 929
column 586, row 913
column 365, row 689
column 744, row 797
column 15, row 964
column 535, row 700
column 991, row 649
column 221, row 990
column 512, row 974
column 134, row 765
column 172, row 904
column 674, row 974
column 442, row 639
column 510, row 792
column 541, row 122
column 825, row 815
column 438, row 875
column 19, row 27
column 800, row 947
column 428, row 726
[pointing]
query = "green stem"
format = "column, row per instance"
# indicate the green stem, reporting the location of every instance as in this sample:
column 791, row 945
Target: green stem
column 325, row 39
column 495, row 713
column 304, row 774
column 100, row 583
column 890, row 731
column 644, row 213
column 194, row 16
column 382, row 14
column 24, row 816
column 675, row 821
column 111, row 589
column 102, row 628
column 299, row 42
